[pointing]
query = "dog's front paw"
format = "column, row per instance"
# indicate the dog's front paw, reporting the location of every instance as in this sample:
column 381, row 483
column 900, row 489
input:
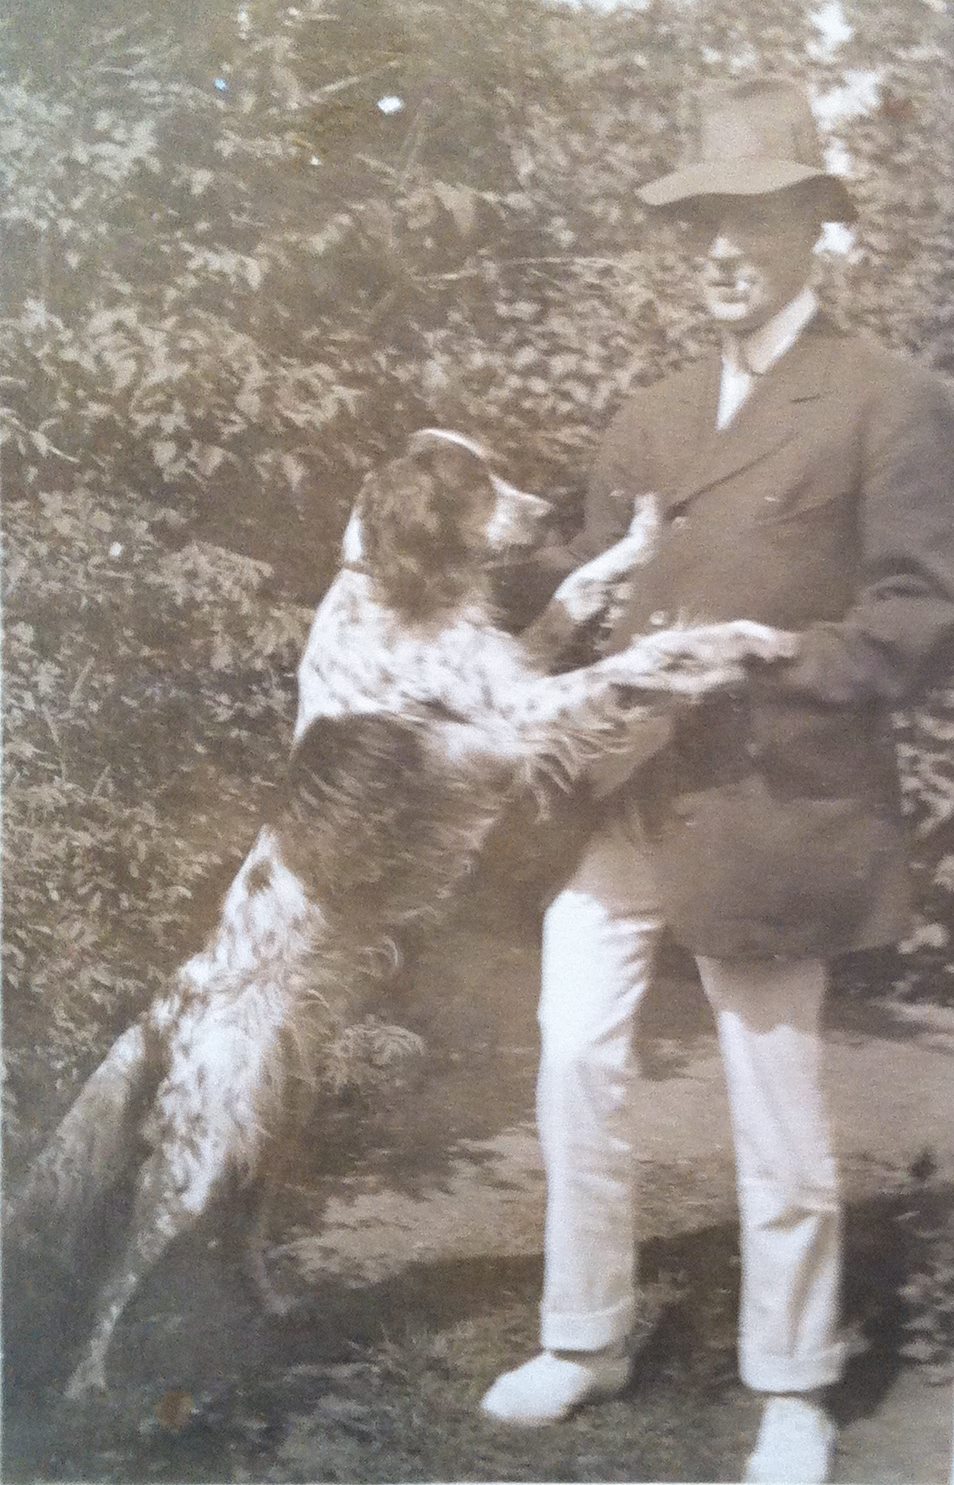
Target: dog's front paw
column 644, row 527
column 607, row 580
column 587, row 593
column 715, row 653
column 747, row 640
column 690, row 663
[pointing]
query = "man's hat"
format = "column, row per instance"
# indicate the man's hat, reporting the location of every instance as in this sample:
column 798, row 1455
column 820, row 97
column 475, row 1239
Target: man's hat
column 751, row 137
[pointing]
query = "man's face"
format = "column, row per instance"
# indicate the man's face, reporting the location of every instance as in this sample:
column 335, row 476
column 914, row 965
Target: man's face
column 756, row 254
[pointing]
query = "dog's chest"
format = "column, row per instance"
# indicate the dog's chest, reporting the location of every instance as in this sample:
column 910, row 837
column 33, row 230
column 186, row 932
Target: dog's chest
column 362, row 657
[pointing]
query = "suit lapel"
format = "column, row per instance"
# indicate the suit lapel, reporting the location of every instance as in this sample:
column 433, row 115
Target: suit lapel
column 763, row 424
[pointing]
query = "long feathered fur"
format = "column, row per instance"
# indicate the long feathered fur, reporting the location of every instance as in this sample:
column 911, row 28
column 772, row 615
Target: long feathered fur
column 419, row 718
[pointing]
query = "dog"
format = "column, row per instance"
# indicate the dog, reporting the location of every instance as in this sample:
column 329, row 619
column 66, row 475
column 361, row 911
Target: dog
column 419, row 718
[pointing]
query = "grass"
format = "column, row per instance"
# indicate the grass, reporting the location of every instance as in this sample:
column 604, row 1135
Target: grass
column 308, row 1402
column 414, row 1415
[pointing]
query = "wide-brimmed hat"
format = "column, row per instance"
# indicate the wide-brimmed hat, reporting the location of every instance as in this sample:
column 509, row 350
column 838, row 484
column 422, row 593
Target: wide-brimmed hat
column 751, row 137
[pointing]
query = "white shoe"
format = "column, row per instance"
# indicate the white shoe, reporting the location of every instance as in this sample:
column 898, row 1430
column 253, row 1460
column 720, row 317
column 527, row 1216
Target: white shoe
column 552, row 1386
column 795, row 1446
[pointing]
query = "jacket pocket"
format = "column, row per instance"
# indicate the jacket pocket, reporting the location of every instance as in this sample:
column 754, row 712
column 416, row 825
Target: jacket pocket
column 800, row 869
column 810, row 503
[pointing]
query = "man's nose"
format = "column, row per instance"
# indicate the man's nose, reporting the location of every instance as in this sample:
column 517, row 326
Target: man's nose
column 723, row 247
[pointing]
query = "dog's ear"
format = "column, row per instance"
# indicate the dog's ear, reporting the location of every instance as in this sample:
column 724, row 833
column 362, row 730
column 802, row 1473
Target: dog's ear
column 456, row 463
column 426, row 438
column 424, row 520
column 456, row 468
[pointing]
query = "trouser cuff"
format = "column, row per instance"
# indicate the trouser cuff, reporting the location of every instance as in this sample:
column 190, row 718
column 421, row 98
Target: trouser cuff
column 764, row 1372
column 586, row 1332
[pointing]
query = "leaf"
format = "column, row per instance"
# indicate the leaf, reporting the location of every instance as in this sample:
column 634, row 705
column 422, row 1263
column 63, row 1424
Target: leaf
column 460, row 201
column 164, row 451
column 294, row 470
column 209, row 458
column 123, row 369
column 920, row 1350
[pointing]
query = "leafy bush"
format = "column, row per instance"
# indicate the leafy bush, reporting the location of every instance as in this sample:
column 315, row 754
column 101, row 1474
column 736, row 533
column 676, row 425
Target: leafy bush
column 247, row 250
column 927, row 1222
column 147, row 690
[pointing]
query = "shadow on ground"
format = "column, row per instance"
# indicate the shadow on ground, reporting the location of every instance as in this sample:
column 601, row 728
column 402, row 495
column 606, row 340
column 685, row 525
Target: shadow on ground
column 381, row 1381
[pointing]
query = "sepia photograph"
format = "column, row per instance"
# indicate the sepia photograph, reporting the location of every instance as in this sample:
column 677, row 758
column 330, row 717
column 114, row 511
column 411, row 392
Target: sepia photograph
column 478, row 741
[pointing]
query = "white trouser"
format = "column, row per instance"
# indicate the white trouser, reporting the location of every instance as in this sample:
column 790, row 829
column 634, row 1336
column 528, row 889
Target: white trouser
column 599, row 942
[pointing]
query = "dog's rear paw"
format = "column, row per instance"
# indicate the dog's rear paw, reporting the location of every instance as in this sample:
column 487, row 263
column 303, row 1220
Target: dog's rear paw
column 88, row 1380
column 278, row 1303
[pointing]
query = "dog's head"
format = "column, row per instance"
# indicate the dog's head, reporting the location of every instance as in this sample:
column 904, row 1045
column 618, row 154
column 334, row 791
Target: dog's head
column 515, row 516
column 428, row 522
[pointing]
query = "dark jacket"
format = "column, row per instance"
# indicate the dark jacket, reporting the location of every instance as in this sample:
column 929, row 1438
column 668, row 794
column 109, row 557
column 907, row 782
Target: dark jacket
column 827, row 507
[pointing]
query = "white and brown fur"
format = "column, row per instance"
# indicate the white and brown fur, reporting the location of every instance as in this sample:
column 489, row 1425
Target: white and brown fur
column 419, row 718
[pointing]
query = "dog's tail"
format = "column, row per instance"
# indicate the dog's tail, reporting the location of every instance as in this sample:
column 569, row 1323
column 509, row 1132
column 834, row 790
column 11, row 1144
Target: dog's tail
column 89, row 1152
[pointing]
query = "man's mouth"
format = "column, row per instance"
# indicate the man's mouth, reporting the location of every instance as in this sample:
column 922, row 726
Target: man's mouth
column 731, row 293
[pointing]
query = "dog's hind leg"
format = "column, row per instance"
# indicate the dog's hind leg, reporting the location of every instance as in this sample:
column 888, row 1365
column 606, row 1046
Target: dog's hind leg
column 176, row 1184
column 274, row 1299
column 278, row 1166
column 91, row 1148
column 209, row 1120
column 255, row 1268
column 163, row 1211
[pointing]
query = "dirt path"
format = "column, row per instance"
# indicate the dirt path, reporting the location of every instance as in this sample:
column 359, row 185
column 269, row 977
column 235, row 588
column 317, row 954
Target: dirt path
column 890, row 1089
column 890, row 1079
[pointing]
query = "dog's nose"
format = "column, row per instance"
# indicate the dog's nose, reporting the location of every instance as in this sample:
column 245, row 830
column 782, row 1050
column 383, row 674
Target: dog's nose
column 522, row 500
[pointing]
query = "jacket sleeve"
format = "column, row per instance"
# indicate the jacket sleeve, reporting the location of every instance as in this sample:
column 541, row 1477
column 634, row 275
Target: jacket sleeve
column 899, row 634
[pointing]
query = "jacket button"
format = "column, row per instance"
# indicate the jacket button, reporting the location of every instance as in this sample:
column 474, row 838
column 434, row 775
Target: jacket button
column 659, row 618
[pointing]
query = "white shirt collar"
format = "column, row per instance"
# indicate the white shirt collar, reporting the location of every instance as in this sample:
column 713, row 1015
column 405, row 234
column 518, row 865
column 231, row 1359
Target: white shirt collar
column 770, row 341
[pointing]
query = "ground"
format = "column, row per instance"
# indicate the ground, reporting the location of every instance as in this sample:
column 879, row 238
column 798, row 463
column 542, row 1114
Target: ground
column 412, row 1237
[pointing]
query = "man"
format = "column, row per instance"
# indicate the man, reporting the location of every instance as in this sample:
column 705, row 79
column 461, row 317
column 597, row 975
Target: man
column 805, row 480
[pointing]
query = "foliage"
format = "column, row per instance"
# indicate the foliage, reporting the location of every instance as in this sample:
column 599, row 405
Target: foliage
column 927, row 1221
column 248, row 247
column 144, row 690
